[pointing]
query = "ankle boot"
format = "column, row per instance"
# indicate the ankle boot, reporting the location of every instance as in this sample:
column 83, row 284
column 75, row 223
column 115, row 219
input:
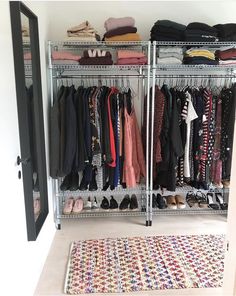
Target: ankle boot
column 66, row 183
column 83, row 184
column 74, row 184
column 93, row 184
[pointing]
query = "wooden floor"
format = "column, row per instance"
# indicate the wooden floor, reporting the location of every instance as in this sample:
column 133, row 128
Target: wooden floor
column 51, row 281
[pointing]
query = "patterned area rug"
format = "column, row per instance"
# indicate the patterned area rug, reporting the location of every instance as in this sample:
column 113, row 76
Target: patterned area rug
column 145, row 263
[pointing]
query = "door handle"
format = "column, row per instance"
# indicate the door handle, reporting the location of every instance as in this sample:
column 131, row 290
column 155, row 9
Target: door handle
column 22, row 160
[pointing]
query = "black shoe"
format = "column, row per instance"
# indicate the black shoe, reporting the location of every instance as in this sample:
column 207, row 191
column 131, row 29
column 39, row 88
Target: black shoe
column 36, row 185
column 113, row 203
column 125, row 203
column 133, row 202
column 160, row 202
column 220, row 200
column 105, row 203
column 93, row 184
column 105, row 187
column 83, row 184
column 66, row 183
column 154, row 201
column 210, row 201
column 74, row 183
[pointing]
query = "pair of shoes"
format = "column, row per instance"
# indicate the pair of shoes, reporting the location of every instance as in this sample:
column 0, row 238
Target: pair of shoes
column 105, row 204
column 226, row 183
column 158, row 201
column 197, row 200
column 175, row 202
column 91, row 205
column 127, row 202
column 219, row 198
column 72, row 205
column 36, row 206
column 70, row 182
column 92, row 185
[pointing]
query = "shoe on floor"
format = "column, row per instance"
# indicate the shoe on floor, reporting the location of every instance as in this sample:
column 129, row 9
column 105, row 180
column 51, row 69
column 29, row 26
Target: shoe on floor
column 124, row 205
column 93, row 184
column 66, row 183
column 154, row 201
column 78, row 205
column 171, row 202
column 113, row 203
column 161, row 204
column 88, row 204
column 180, row 202
column 220, row 200
column 133, row 202
column 36, row 206
column 211, row 202
column 105, row 203
column 74, row 183
column 226, row 183
column 68, row 206
column 192, row 200
column 94, row 204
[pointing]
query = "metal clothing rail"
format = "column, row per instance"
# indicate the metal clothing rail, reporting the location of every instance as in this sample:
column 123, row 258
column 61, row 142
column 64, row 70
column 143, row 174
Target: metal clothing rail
column 166, row 72
column 59, row 72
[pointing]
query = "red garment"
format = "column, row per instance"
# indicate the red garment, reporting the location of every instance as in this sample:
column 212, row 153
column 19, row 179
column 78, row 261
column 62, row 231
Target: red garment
column 111, row 131
column 134, row 163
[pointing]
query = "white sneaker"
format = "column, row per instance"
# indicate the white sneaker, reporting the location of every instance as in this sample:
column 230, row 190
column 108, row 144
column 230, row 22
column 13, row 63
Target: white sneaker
column 94, row 204
column 88, row 204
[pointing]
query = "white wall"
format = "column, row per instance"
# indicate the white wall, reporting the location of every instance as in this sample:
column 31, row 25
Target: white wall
column 21, row 261
column 70, row 13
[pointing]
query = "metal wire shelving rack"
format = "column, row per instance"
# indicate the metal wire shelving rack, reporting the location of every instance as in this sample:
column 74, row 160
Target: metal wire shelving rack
column 189, row 73
column 60, row 71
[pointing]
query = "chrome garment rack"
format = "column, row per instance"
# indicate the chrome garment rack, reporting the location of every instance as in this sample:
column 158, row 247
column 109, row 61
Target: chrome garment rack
column 184, row 72
column 65, row 71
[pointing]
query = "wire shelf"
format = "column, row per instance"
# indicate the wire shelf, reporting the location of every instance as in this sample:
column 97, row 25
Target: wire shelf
column 168, row 67
column 188, row 211
column 103, row 213
column 118, row 191
column 105, row 44
column 190, row 43
column 77, row 67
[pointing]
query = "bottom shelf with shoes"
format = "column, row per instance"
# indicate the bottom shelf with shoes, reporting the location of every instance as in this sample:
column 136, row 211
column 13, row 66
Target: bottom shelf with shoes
column 213, row 201
column 101, row 206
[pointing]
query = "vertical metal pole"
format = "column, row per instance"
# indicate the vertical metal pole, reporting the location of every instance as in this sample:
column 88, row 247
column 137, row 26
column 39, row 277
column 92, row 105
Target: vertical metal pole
column 147, row 133
column 55, row 199
column 152, row 129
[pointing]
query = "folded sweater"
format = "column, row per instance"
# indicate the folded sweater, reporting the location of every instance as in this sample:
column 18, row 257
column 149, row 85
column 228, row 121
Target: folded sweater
column 64, row 55
column 96, row 61
column 226, row 54
column 114, row 23
column 120, row 31
column 125, row 37
column 125, row 54
column 200, row 53
column 132, row 61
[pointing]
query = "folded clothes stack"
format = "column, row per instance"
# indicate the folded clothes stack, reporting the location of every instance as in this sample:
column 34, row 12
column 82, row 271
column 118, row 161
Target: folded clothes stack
column 198, row 56
column 170, row 55
column 83, row 32
column 226, row 32
column 165, row 30
column 131, row 57
column 121, row 29
column 96, row 57
column 65, row 57
column 226, row 57
column 200, row 32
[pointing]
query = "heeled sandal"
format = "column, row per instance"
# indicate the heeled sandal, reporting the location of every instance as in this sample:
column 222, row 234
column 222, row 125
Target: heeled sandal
column 202, row 199
column 211, row 202
column 220, row 200
column 191, row 200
